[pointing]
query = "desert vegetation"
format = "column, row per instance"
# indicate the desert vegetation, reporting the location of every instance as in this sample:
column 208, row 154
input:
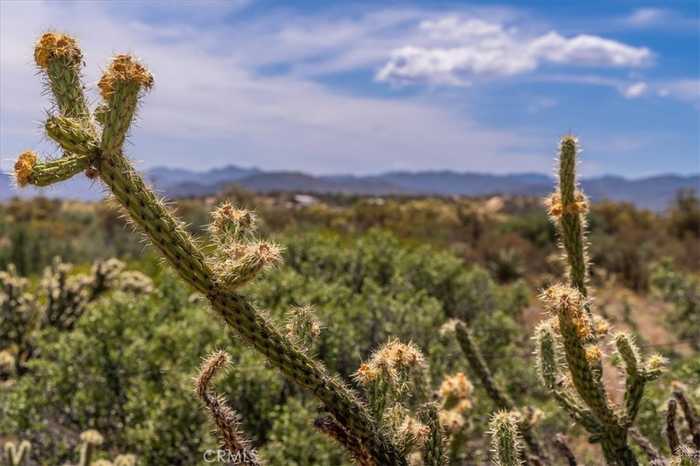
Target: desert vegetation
column 396, row 331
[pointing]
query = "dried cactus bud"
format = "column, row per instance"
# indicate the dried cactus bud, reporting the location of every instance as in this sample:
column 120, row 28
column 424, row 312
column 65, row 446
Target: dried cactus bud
column 125, row 460
column 569, row 303
column 246, row 262
column 601, row 326
column 655, row 366
column 231, row 224
column 593, row 354
column 455, row 392
column 505, row 439
column 366, row 374
column 392, row 361
column 52, row 45
column 24, row 167
column 451, row 421
column 127, row 70
column 92, row 437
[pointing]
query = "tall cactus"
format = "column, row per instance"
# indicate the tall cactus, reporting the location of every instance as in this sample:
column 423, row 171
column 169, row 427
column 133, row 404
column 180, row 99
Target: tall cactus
column 86, row 145
column 573, row 328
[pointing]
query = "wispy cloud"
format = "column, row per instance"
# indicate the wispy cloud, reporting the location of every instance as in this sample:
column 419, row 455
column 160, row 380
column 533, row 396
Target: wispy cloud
column 472, row 47
column 210, row 106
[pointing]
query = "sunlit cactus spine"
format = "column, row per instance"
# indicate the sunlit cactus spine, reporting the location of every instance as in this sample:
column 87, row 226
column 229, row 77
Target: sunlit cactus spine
column 17, row 453
column 573, row 329
column 506, row 441
column 226, row 420
column 122, row 85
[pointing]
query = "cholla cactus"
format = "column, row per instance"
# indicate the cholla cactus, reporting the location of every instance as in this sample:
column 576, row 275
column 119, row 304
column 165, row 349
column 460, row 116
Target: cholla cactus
column 506, row 441
column 236, row 260
column 63, row 298
column 573, row 329
column 226, row 420
column 395, row 373
column 503, row 402
column 16, row 454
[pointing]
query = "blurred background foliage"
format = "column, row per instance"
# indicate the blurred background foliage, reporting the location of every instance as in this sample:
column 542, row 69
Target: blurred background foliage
column 371, row 268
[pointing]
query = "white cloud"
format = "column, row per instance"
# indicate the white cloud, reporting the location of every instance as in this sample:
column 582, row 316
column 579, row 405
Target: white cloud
column 210, row 107
column 682, row 89
column 643, row 17
column 635, row 90
column 469, row 48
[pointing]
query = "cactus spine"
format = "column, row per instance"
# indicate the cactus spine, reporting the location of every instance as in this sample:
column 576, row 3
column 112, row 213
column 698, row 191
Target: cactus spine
column 573, row 328
column 121, row 86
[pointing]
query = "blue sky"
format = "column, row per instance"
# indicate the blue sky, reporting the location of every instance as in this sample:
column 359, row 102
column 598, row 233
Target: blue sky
column 365, row 87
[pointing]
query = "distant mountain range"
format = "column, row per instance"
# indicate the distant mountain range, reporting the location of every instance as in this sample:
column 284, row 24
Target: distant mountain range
column 653, row 193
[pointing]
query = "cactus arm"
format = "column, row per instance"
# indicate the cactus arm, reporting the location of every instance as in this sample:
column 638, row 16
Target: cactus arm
column 45, row 173
column 329, row 426
column 478, row 365
column 567, row 208
column 638, row 374
column 505, row 439
column 548, row 370
column 59, row 56
column 561, row 443
column 646, row 446
column 497, row 394
column 226, row 419
column 434, row 450
column 672, row 436
column 690, row 416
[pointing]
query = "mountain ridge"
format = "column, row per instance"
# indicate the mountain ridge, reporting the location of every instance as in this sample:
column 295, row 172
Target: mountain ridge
column 653, row 192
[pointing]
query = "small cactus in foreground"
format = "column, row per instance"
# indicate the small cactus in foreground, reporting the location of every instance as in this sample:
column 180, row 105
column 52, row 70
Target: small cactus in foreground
column 506, row 441
column 95, row 143
column 226, row 420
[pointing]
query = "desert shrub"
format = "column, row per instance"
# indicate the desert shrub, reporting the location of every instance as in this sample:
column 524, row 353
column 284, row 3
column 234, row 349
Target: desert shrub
column 682, row 290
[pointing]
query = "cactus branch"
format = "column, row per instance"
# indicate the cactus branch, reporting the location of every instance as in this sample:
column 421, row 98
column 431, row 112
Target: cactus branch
column 560, row 442
column 121, row 86
column 434, row 450
column 567, row 208
column 226, row 420
column 505, row 439
column 497, row 394
column 674, row 441
column 690, row 416
column 29, row 170
column 329, row 426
